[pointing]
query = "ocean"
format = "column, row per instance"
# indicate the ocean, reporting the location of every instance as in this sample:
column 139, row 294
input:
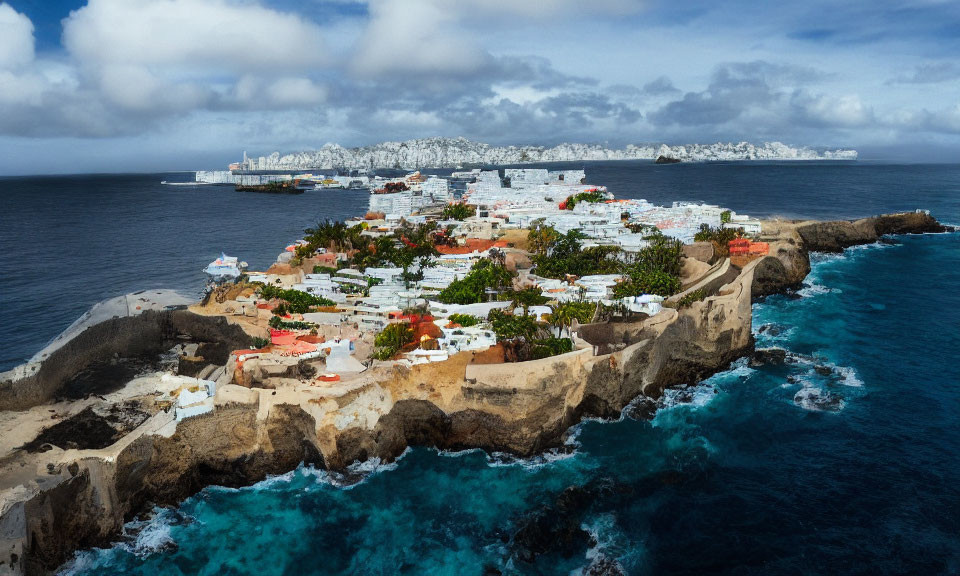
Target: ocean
column 837, row 457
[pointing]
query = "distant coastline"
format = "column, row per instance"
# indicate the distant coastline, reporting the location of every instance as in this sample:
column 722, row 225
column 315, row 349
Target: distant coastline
column 458, row 152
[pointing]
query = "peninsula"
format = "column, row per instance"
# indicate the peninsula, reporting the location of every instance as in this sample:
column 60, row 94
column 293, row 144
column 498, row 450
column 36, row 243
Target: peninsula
column 495, row 320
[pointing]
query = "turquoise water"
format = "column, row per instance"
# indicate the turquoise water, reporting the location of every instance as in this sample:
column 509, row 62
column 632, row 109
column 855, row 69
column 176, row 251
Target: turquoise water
column 840, row 460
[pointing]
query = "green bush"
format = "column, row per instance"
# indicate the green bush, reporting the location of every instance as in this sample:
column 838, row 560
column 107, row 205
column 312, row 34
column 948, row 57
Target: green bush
column 508, row 326
column 472, row 288
column 324, row 270
column 592, row 197
column 654, row 270
column 294, row 301
column 720, row 236
column 458, row 211
column 391, row 340
column 465, row 320
column 548, row 347
column 281, row 324
column 725, row 217
column 566, row 255
column 563, row 314
column 695, row 296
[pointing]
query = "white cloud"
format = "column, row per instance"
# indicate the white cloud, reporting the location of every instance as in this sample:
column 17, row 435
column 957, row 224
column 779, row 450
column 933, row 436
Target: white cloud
column 16, row 39
column 445, row 36
column 420, row 36
column 838, row 111
column 187, row 35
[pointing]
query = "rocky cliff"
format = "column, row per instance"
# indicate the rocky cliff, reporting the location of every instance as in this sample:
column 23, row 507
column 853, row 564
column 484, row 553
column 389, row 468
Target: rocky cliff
column 102, row 345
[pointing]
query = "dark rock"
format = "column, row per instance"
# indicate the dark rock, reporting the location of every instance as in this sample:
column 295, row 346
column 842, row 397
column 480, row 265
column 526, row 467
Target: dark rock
column 763, row 356
column 83, row 366
column 644, row 408
column 604, row 566
column 554, row 527
column 89, row 429
column 666, row 160
column 771, row 329
column 823, row 370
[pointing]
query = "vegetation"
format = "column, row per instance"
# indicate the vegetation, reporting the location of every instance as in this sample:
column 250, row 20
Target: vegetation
column 458, row 211
column 547, row 347
column 260, row 342
column 509, row 326
column 465, row 320
column 566, row 255
column 294, row 301
column 541, row 237
column 725, row 217
column 324, row 270
column 654, row 270
column 720, row 237
column 391, row 340
column 486, row 273
column 564, row 313
column 592, row 197
column 688, row 299
column 281, row 324
column 333, row 236
column 526, row 298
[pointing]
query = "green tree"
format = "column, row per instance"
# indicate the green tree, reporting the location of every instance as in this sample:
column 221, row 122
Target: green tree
column 541, row 237
column 526, row 298
column 391, row 340
column 465, row 320
column 458, row 211
column 509, row 326
column 472, row 288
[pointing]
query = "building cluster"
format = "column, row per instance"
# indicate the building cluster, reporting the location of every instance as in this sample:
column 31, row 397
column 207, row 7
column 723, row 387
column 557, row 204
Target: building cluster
column 369, row 300
column 403, row 197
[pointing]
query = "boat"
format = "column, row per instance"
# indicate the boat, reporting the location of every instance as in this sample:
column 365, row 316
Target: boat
column 225, row 267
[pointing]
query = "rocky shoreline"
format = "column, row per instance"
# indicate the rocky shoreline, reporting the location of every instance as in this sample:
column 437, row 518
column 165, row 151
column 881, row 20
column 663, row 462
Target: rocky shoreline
column 57, row 501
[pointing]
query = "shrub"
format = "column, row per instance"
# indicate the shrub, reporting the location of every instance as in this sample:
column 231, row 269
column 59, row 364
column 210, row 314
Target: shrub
column 541, row 237
column 654, row 270
column 719, row 236
column 565, row 255
column 294, row 301
column 324, row 270
column 280, row 324
column 391, row 340
column 509, row 326
column 260, row 342
column 471, row 289
column 465, row 320
column 548, row 347
column 695, row 296
column 458, row 211
column 725, row 216
column 593, row 197
column 563, row 314
column 527, row 297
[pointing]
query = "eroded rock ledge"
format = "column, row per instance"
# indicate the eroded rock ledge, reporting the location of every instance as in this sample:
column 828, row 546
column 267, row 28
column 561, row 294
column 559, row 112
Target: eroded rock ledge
column 81, row 498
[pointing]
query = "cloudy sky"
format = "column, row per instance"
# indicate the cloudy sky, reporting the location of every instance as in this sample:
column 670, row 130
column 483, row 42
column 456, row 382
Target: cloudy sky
column 114, row 85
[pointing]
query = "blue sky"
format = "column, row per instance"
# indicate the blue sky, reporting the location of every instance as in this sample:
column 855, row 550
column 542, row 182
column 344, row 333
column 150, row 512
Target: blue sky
column 114, row 85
